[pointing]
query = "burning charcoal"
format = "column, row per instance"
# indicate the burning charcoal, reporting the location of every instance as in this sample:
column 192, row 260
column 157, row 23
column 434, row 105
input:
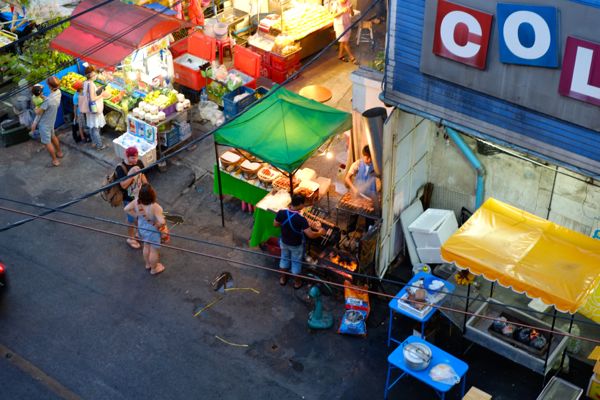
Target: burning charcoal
column 499, row 324
column 523, row 335
column 508, row 330
column 538, row 342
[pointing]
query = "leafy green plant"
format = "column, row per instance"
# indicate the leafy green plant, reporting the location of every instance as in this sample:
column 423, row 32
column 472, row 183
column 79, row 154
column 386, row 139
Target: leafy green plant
column 379, row 62
column 37, row 60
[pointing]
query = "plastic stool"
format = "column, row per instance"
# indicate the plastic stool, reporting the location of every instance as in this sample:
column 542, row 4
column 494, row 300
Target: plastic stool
column 367, row 36
column 222, row 45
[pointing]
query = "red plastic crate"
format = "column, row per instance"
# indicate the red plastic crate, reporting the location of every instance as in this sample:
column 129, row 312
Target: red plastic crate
column 246, row 61
column 278, row 76
column 202, row 46
column 284, row 63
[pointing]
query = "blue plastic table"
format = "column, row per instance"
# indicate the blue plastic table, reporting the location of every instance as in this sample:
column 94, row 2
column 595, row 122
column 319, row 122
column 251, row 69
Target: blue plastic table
column 438, row 356
column 393, row 304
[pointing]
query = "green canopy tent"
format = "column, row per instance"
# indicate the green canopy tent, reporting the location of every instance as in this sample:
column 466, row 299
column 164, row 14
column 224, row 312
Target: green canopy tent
column 284, row 130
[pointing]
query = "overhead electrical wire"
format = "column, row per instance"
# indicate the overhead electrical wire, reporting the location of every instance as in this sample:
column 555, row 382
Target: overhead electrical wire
column 316, row 280
column 90, row 50
column 304, row 263
column 199, row 139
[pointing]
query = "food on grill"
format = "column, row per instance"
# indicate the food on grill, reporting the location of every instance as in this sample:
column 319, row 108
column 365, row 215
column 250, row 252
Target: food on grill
column 283, row 183
column 357, row 203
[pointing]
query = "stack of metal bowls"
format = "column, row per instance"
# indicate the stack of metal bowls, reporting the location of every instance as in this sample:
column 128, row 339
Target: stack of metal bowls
column 417, row 356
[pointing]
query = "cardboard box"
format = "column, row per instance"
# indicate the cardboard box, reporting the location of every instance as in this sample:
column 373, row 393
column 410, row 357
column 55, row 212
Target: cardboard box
column 593, row 390
column 476, row 394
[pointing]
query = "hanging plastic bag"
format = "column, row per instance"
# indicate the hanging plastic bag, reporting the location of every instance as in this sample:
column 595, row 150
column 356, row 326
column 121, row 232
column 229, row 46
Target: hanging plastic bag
column 444, row 373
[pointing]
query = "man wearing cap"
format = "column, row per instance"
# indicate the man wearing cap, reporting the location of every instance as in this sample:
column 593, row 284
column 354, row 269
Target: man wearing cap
column 131, row 187
column 45, row 124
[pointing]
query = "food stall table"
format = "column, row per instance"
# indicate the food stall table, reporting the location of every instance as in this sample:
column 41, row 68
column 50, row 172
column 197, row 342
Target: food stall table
column 427, row 314
column 263, row 228
column 438, row 356
column 238, row 188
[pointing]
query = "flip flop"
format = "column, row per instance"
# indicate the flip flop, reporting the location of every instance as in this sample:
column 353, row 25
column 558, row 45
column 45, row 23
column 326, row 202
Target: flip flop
column 61, row 155
column 354, row 61
column 159, row 268
column 54, row 164
column 147, row 267
column 134, row 244
column 283, row 280
column 343, row 59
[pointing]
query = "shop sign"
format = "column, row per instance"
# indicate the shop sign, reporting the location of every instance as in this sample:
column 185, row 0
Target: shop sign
column 462, row 34
column 528, row 35
column 580, row 76
column 525, row 38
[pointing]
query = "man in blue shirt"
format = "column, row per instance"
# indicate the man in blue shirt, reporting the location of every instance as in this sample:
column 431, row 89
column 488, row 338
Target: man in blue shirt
column 293, row 229
column 45, row 125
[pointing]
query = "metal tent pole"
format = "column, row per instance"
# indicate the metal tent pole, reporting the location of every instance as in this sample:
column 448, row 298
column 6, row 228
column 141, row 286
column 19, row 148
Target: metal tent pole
column 466, row 308
column 562, row 360
column 220, row 185
column 549, row 346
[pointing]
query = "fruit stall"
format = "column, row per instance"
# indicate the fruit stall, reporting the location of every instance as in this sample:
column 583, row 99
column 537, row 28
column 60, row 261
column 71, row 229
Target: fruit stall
column 136, row 69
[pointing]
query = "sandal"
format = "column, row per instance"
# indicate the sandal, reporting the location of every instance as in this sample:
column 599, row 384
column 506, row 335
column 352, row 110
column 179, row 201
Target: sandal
column 147, row 267
column 60, row 155
column 134, row 244
column 159, row 268
column 55, row 163
column 298, row 283
column 283, row 280
column 343, row 59
column 354, row 61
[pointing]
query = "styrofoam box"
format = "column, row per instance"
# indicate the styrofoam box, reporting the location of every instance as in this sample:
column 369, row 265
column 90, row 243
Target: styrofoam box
column 433, row 228
column 146, row 151
column 430, row 255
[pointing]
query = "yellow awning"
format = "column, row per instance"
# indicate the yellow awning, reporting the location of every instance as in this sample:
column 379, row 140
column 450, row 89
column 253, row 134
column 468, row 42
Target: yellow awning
column 531, row 255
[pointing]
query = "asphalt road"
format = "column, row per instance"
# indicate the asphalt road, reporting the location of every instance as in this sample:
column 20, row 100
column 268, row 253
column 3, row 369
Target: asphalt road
column 84, row 319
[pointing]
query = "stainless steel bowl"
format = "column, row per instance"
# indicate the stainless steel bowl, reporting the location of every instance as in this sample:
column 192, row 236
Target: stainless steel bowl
column 417, row 356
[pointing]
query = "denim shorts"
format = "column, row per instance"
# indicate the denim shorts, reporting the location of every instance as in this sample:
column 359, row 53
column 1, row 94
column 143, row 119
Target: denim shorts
column 291, row 255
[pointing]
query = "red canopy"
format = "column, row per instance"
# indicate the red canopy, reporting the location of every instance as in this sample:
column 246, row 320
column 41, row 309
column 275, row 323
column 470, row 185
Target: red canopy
column 108, row 34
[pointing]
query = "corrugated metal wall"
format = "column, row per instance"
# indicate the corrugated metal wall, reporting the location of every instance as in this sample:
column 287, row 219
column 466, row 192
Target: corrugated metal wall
column 531, row 132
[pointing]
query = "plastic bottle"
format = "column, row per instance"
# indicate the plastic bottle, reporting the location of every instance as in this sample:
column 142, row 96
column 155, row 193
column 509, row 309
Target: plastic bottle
column 203, row 96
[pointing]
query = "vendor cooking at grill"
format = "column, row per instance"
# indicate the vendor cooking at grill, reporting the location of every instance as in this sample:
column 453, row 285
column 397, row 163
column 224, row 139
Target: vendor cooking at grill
column 293, row 229
column 365, row 184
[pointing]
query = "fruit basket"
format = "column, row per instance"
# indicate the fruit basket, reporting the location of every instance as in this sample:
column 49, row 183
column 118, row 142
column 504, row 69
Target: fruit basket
column 267, row 175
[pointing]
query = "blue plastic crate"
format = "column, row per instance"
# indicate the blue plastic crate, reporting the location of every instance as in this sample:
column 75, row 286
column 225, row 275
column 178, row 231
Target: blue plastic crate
column 230, row 108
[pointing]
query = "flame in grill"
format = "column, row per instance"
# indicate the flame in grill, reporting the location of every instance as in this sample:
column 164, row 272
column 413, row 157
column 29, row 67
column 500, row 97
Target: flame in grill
column 348, row 264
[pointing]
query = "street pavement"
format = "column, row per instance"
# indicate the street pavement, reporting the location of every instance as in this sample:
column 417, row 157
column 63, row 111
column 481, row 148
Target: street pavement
column 84, row 319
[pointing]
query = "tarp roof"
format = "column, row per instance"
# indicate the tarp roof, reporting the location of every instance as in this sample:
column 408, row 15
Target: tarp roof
column 108, row 34
column 517, row 249
column 284, row 129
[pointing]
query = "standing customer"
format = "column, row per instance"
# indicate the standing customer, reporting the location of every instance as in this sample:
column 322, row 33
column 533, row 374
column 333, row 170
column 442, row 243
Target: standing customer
column 79, row 117
column 131, row 187
column 92, row 105
column 150, row 219
column 342, row 13
column 293, row 229
column 47, row 117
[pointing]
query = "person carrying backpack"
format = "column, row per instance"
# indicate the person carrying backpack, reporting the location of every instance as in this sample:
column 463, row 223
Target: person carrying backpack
column 130, row 188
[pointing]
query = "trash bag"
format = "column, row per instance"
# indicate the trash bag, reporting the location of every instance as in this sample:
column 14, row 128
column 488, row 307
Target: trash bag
column 444, row 373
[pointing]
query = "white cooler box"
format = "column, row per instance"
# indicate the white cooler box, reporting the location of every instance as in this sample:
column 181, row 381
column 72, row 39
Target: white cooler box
column 432, row 228
column 430, row 255
column 146, row 151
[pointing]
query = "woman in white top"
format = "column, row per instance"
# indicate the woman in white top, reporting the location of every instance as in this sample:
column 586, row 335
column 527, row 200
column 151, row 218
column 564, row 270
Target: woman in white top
column 342, row 13
column 94, row 117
